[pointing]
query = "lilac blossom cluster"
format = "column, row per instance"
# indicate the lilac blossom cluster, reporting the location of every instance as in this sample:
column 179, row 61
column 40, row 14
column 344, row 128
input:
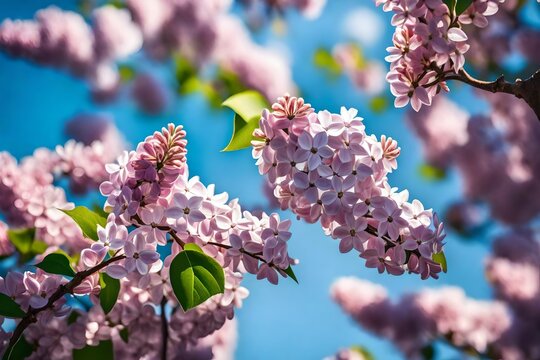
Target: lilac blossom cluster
column 29, row 196
column 324, row 167
column 152, row 202
column 311, row 9
column 495, row 153
column 416, row 320
column 505, row 328
column 204, row 32
column 428, row 45
column 63, row 39
column 151, row 190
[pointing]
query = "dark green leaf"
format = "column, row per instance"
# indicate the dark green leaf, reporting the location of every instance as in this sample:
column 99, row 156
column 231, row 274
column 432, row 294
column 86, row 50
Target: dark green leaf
column 459, row 6
column 102, row 351
column 110, row 288
column 462, row 5
column 431, row 172
column 428, row 352
column 57, row 263
column 289, row 271
column 248, row 105
column 124, row 334
column 9, row 308
column 440, row 259
column 87, row 220
column 73, row 316
column 21, row 350
column 99, row 210
column 195, row 277
column 242, row 133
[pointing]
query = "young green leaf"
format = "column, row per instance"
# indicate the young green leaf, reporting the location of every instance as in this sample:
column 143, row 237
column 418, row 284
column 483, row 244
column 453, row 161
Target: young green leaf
column 195, row 277
column 21, row 350
column 363, row 351
column 242, row 133
column 289, row 271
column 22, row 239
column 247, row 104
column 56, row 263
column 102, row 351
column 431, row 172
column 440, row 259
column 110, row 288
column 9, row 308
column 323, row 59
column 87, row 220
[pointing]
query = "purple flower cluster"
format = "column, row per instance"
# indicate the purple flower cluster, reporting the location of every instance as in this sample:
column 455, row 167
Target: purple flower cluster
column 153, row 202
column 418, row 319
column 202, row 31
column 324, row 167
column 495, row 153
column 63, row 39
column 29, row 196
column 506, row 328
column 428, row 44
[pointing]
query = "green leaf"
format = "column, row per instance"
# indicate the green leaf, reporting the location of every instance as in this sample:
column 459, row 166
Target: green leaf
column 431, row 172
column 378, row 104
column 462, row 5
column 195, row 277
column 87, row 220
column 102, row 351
column 56, row 263
column 289, row 271
column 242, row 133
column 73, row 316
column 124, row 334
column 9, row 308
column 22, row 239
column 26, row 244
column 323, row 59
column 184, row 71
column 21, row 350
column 440, row 259
column 366, row 354
column 459, row 6
column 127, row 73
column 247, row 104
column 110, row 288
column 428, row 352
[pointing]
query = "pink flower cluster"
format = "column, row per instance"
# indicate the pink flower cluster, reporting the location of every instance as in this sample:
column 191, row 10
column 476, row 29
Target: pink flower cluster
column 495, row 153
column 63, row 39
column 29, row 196
column 311, row 9
column 151, row 190
column 417, row 320
column 202, row 31
column 153, row 202
column 428, row 44
column 324, row 167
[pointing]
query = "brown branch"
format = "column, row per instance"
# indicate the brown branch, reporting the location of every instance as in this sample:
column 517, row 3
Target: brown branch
column 528, row 90
column 64, row 289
